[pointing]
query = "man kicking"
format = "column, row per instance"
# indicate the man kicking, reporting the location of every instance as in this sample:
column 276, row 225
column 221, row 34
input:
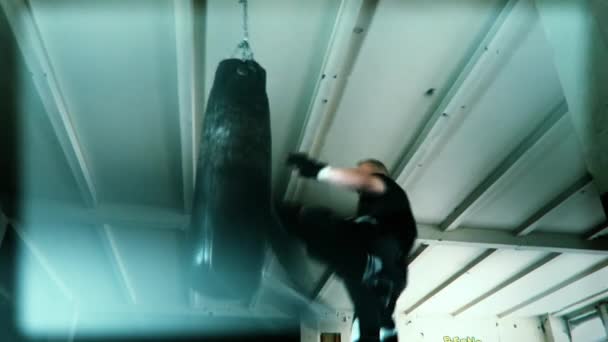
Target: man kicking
column 367, row 251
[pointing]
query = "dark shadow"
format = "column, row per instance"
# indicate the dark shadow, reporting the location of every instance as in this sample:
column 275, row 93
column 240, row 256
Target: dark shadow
column 9, row 178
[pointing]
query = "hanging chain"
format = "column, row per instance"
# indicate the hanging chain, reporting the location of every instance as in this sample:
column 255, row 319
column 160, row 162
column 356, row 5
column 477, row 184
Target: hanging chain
column 247, row 53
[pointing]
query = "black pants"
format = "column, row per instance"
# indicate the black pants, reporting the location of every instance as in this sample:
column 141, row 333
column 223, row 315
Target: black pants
column 344, row 246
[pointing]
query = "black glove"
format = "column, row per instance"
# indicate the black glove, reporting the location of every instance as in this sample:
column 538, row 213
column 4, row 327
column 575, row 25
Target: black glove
column 307, row 167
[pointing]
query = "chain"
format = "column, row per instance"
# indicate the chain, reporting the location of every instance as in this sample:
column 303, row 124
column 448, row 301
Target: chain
column 247, row 53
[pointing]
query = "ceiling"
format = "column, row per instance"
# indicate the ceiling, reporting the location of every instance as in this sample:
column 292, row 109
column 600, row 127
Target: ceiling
column 460, row 98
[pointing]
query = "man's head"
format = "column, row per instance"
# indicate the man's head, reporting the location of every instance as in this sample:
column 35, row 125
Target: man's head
column 372, row 166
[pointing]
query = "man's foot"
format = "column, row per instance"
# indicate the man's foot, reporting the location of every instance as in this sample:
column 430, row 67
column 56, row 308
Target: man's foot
column 388, row 335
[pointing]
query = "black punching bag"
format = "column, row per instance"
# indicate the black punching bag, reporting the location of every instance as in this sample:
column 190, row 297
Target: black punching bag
column 231, row 207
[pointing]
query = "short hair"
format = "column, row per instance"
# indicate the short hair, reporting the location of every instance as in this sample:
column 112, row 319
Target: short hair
column 376, row 163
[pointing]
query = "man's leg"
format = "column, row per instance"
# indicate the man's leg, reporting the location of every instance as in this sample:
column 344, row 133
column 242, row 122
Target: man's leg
column 366, row 327
column 327, row 238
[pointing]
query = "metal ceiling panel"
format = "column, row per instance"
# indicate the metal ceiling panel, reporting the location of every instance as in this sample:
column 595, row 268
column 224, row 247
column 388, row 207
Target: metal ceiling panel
column 151, row 260
column 115, row 64
column 550, row 167
column 593, row 283
column 80, row 261
column 561, row 268
column 36, row 293
column 494, row 270
column 503, row 109
column 432, row 268
column 579, row 214
column 419, row 45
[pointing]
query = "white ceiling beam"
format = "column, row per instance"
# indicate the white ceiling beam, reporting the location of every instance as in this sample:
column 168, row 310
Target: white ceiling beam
column 324, row 280
column 529, row 225
column 598, row 231
column 164, row 218
column 352, row 23
column 477, row 64
column 507, row 167
column 582, row 303
column 577, row 32
column 590, row 270
column 117, row 215
column 350, row 28
column 119, row 266
column 504, row 239
column 188, row 97
column 554, row 329
column 43, row 261
column 450, row 280
column 35, row 54
column 603, row 312
column 506, row 283
column 416, row 254
column 581, row 315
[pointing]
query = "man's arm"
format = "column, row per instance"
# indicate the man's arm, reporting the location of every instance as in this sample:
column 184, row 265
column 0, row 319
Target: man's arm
column 352, row 179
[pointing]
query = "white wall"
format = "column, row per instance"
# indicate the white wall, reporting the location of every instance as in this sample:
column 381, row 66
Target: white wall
column 446, row 328
column 437, row 328
column 556, row 329
column 339, row 322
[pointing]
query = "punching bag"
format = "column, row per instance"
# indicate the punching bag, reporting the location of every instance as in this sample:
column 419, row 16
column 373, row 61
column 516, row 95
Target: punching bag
column 232, row 197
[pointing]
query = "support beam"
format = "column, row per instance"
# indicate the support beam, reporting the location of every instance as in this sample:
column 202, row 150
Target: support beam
column 29, row 40
column 504, row 169
column 555, row 329
column 582, row 314
column 116, row 215
column 597, row 231
column 450, row 280
column 326, row 277
column 163, row 218
column 506, row 283
column 188, row 97
column 352, row 23
column 503, row 239
column 475, row 66
column 416, row 253
column 44, row 263
column 578, row 34
column 598, row 296
column 603, row 228
column 528, row 226
column 602, row 312
column 595, row 268
column 120, row 269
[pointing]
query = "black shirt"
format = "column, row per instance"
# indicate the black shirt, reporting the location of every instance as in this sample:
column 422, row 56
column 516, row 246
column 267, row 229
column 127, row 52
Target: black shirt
column 390, row 212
